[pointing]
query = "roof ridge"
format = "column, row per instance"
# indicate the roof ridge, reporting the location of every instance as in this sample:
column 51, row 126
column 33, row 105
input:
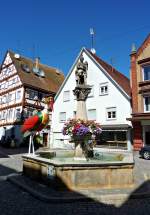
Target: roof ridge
column 141, row 47
column 30, row 59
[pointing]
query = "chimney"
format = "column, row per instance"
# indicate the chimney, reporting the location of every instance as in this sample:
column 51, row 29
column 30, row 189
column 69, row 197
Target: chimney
column 133, row 79
column 37, row 61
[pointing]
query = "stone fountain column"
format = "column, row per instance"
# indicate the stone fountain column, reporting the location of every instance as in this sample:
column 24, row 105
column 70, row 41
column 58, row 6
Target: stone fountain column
column 81, row 92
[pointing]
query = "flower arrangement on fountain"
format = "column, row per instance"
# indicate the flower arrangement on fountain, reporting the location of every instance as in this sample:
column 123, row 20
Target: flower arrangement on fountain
column 82, row 131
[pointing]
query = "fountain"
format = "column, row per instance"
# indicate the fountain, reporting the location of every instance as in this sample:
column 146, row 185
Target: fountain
column 84, row 167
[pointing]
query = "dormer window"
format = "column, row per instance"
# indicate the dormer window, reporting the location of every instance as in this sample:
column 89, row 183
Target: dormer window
column 146, row 72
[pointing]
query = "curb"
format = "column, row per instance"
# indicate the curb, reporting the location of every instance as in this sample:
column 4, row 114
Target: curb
column 81, row 198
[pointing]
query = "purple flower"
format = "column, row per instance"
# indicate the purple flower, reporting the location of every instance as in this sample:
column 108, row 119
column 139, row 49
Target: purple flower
column 82, row 131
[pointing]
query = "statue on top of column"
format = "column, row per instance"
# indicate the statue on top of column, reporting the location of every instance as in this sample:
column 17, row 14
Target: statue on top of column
column 81, row 72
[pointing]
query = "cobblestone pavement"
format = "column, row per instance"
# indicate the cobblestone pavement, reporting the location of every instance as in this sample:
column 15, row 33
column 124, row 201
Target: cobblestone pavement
column 14, row 200
column 17, row 202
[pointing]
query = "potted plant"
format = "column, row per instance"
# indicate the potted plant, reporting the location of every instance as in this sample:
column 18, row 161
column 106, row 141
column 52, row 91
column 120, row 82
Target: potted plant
column 83, row 134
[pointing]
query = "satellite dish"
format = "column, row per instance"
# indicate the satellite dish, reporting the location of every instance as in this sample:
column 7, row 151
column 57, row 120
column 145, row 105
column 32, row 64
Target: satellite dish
column 38, row 72
column 35, row 71
column 17, row 56
column 41, row 73
column 25, row 67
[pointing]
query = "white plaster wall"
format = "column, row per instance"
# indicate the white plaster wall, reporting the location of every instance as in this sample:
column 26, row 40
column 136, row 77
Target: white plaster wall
column 115, row 98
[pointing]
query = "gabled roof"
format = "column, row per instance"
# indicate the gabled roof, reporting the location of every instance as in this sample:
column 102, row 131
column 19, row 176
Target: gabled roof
column 118, row 77
column 50, row 83
column 121, row 80
column 143, row 46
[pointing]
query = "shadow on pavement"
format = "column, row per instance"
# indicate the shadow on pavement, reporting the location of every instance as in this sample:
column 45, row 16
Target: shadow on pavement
column 13, row 151
column 103, row 204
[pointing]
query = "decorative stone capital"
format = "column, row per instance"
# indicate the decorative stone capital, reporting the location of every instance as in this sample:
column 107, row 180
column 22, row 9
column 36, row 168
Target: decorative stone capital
column 82, row 92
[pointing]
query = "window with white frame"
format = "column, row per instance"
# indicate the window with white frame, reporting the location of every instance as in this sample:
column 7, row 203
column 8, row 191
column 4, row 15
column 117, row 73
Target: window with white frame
column 18, row 94
column 111, row 113
column 146, row 72
column 91, row 94
column 10, row 114
column 92, row 114
column 4, row 100
column 10, row 83
column 4, row 115
column 10, row 97
column 147, row 104
column 62, row 116
column 66, row 96
column 103, row 89
column 2, row 86
column 6, row 85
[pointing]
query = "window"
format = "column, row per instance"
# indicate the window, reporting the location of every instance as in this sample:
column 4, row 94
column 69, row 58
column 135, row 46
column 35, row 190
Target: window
column 92, row 114
column 10, row 97
column 10, row 114
column 2, row 86
column 74, row 114
column 111, row 113
column 18, row 114
column 147, row 104
column 66, row 96
column 10, row 83
column 91, row 94
column 4, row 115
column 29, row 112
column 4, row 100
column 18, row 94
column 39, row 96
column 62, row 116
column 6, row 85
column 103, row 90
column 146, row 71
column 31, row 94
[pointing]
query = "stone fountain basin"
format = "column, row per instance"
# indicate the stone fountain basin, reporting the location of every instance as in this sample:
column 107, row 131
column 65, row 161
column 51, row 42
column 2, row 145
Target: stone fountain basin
column 67, row 173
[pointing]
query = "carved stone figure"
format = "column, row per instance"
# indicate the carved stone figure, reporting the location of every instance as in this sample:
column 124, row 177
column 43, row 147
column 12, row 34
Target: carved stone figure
column 81, row 72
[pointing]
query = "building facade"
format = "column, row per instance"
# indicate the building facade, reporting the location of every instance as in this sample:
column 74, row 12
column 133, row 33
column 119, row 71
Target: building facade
column 108, row 104
column 24, row 84
column 140, row 83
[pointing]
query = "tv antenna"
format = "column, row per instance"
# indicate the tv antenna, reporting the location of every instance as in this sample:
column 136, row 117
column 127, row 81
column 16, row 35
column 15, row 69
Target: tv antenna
column 92, row 33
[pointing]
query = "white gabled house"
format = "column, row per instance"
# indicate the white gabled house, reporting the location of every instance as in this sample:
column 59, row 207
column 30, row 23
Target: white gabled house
column 109, row 103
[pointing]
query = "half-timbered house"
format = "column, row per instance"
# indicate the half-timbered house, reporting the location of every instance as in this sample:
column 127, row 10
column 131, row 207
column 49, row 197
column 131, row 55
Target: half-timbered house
column 24, row 84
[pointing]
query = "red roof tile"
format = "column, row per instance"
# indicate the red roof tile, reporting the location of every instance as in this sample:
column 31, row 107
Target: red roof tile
column 118, row 77
column 50, row 83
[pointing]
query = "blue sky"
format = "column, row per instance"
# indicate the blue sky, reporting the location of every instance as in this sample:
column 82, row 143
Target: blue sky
column 57, row 30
